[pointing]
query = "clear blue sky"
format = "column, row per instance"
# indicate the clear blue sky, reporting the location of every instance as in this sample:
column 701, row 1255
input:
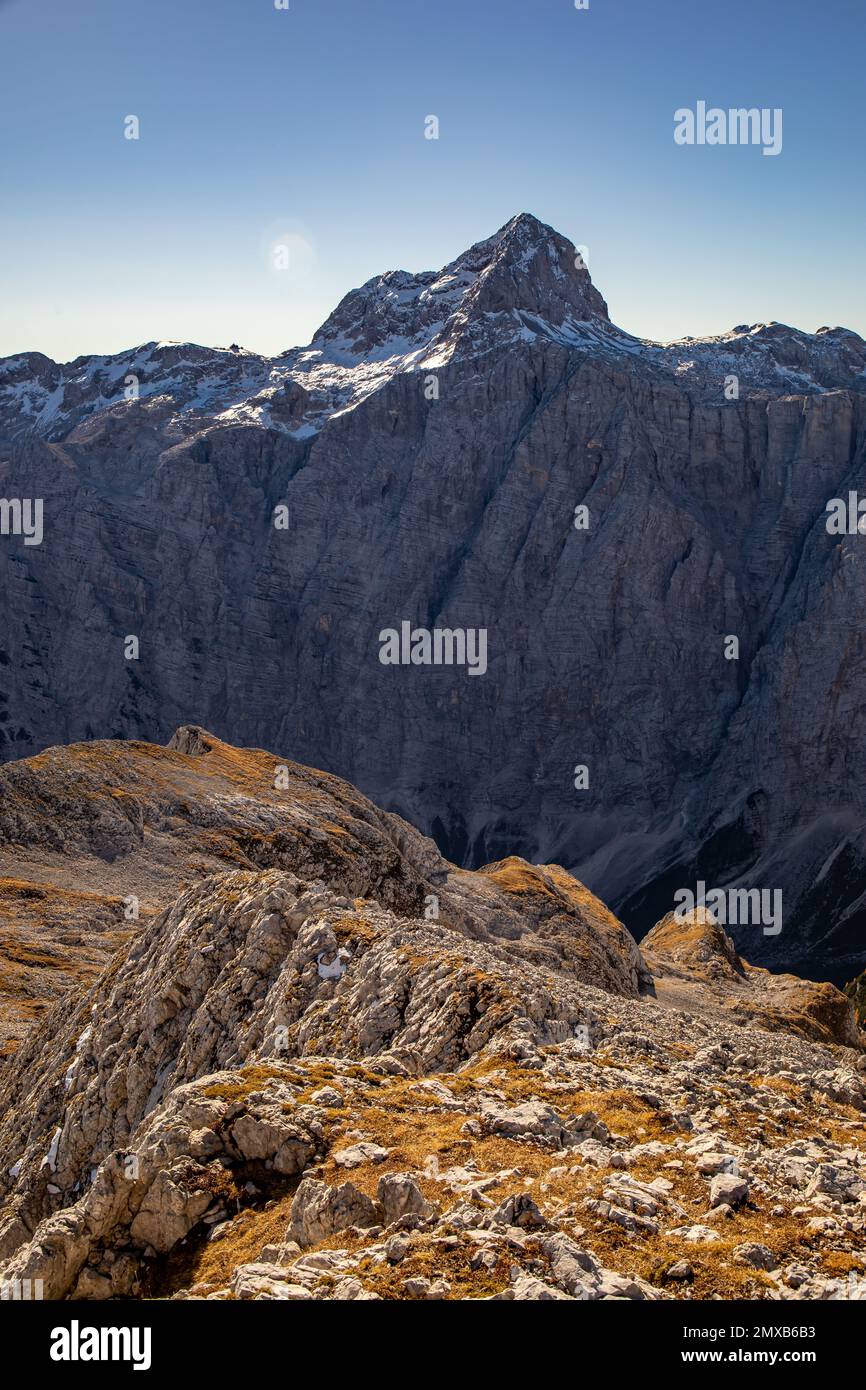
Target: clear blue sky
column 258, row 124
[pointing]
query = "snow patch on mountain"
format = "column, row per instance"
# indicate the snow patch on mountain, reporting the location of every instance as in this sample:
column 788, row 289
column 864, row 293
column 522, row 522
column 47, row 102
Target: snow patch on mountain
column 524, row 284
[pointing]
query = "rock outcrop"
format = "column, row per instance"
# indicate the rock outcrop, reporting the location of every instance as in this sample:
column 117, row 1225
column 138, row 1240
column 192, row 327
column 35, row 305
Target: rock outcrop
column 694, row 962
column 856, row 992
column 292, row 1084
column 95, row 839
column 429, row 449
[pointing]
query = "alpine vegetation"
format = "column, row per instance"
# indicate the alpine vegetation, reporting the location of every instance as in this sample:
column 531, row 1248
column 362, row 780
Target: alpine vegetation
column 346, row 1069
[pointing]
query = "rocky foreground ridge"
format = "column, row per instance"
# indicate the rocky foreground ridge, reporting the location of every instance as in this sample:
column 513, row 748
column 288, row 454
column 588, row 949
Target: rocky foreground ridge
column 92, row 833
column 330, row 1064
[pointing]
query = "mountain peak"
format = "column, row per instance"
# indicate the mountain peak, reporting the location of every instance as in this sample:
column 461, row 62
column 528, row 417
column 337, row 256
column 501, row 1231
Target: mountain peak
column 526, row 284
column 529, row 267
column 525, row 268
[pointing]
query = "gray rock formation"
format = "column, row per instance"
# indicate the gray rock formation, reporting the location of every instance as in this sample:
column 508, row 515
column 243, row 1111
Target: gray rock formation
column 96, row 839
column 431, row 445
column 182, row 1129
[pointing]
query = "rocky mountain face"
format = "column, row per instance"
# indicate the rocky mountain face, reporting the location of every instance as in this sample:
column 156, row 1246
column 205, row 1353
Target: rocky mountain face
column 328, row 1064
column 256, row 524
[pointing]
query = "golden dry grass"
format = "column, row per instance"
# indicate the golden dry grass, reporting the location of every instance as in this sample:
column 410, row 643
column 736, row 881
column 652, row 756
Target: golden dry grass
column 402, row 1116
